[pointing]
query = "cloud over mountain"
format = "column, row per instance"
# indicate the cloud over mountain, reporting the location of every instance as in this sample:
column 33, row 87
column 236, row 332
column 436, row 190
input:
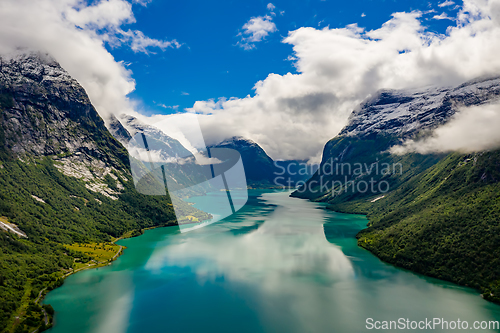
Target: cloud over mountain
column 293, row 115
column 472, row 129
column 75, row 33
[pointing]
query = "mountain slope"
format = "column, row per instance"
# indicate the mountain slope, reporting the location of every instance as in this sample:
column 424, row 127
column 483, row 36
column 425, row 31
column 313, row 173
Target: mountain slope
column 259, row 167
column 261, row 170
column 63, row 180
column 444, row 223
column 385, row 120
column 440, row 215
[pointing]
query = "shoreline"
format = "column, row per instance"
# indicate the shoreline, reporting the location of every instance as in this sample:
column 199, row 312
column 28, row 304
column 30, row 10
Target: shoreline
column 130, row 234
column 361, row 243
column 48, row 319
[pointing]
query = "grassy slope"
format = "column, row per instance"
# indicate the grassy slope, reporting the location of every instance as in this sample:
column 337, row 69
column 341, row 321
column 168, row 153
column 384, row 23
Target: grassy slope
column 444, row 222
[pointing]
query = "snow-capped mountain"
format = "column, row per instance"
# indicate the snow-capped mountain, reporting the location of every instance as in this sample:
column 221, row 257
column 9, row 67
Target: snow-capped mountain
column 157, row 139
column 403, row 113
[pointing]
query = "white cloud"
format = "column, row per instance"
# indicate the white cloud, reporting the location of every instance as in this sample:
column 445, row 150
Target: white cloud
column 74, row 33
column 257, row 29
column 472, row 129
column 142, row 2
column 293, row 115
column 446, row 3
column 173, row 107
column 141, row 43
column 363, row 15
column 443, row 16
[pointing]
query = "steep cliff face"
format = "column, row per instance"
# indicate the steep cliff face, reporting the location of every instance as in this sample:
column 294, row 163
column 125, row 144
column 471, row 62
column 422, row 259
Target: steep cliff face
column 45, row 112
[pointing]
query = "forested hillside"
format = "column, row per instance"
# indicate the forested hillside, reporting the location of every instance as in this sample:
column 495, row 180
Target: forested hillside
column 63, row 180
column 444, row 223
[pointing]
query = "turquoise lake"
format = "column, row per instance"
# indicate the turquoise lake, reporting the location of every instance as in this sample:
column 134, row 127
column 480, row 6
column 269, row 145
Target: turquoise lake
column 278, row 265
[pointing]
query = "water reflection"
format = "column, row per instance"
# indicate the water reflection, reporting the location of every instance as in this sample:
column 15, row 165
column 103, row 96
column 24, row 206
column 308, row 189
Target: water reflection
column 279, row 265
column 282, row 247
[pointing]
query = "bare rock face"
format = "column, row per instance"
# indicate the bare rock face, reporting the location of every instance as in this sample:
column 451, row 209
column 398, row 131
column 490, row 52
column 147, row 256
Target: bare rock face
column 44, row 112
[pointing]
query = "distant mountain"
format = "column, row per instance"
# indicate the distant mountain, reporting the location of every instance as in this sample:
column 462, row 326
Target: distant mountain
column 435, row 214
column 182, row 170
column 259, row 167
column 119, row 132
column 261, row 170
column 64, row 179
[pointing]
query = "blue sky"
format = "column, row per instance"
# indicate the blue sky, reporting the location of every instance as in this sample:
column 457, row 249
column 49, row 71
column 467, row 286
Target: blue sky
column 211, row 64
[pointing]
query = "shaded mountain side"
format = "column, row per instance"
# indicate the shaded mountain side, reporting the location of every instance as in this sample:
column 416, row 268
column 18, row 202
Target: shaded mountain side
column 63, row 179
column 361, row 168
column 262, row 171
column 259, row 167
column 118, row 131
column 443, row 223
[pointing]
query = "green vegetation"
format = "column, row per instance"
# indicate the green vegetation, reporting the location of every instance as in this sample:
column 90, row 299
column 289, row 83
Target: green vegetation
column 92, row 254
column 343, row 155
column 58, row 230
column 444, row 222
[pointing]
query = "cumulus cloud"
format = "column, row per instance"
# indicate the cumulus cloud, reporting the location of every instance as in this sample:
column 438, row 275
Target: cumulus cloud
column 293, row 115
column 173, row 107
column 443, row 16
column 75, row 32
column 446, row 3
column 472, row 129
column 257, row 29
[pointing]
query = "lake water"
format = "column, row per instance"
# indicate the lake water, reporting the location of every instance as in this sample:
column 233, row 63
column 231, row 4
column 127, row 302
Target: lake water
column 279, row 265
